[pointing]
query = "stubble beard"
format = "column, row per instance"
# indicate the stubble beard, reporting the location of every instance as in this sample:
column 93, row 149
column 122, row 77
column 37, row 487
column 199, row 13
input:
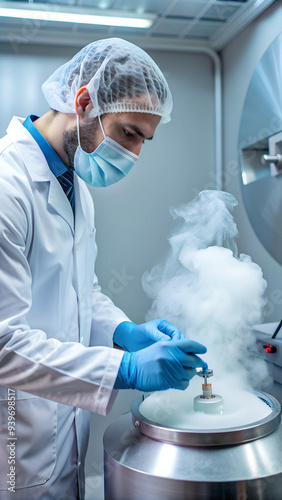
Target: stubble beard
column 88, row 142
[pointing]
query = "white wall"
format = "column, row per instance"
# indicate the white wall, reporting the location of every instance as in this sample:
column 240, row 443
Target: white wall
column 132, row 217
column 240, row 58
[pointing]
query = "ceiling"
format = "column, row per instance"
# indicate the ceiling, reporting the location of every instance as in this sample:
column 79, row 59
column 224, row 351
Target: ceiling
column 178, row 23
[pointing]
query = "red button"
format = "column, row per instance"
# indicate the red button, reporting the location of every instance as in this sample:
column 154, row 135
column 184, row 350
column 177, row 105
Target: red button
column 270, row 349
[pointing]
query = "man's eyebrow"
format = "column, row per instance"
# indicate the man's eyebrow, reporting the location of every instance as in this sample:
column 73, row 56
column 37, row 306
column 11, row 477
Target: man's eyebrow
column 138, row 132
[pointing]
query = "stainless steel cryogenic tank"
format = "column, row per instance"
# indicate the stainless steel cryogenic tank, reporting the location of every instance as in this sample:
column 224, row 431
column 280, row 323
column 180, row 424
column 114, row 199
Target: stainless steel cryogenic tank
column 148, row 461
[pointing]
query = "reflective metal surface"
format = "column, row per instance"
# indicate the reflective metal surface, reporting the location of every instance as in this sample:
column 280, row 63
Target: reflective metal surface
column 208, row 437
column 138, row 467
column 260, row 134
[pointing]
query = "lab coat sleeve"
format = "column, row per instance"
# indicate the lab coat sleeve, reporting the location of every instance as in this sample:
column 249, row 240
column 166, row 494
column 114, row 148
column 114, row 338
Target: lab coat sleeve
column 105, row 315
column 65, row 372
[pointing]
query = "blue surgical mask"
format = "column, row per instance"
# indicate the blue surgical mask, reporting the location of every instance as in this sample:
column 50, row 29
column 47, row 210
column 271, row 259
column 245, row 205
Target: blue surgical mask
column 109, row 163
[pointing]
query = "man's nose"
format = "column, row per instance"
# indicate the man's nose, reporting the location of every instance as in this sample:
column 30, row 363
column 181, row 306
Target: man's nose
column 137, row 148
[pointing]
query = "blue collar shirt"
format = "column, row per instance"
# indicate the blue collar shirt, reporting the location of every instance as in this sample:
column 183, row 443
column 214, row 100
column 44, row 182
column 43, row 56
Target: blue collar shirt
column 56, row 165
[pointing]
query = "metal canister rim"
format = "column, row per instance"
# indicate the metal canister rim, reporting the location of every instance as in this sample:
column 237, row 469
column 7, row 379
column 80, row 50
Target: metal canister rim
column 210, row 437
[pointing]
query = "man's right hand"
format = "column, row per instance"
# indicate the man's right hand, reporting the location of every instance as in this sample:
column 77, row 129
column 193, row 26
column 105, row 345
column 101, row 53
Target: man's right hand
column 161, row 366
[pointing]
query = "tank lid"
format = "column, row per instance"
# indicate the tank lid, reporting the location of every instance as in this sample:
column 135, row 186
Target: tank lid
column 210, row 437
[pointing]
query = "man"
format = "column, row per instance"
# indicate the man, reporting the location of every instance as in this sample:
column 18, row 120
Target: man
column 56, row 327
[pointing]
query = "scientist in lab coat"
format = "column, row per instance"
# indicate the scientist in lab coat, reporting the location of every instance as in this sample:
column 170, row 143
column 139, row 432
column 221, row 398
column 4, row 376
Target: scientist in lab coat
column 57, row 360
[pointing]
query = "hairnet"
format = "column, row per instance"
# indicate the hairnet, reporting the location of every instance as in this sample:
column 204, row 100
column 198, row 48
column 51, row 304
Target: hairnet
column 119, row 76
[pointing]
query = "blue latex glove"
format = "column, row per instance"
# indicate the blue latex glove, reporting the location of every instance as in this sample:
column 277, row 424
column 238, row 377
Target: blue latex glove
column 132, row 337
column 161, row 366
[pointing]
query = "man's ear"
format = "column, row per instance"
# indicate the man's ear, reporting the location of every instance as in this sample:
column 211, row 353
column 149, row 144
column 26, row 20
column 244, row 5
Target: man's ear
column 83, row 103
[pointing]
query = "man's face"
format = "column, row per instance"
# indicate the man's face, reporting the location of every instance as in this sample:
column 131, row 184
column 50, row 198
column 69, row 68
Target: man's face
column 130, row 130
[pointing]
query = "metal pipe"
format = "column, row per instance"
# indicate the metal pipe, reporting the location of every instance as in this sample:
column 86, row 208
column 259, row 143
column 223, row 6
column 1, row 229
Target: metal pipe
column 276, row 159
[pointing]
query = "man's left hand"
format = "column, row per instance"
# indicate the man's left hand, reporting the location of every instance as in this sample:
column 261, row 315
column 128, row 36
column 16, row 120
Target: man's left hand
column 132, row 337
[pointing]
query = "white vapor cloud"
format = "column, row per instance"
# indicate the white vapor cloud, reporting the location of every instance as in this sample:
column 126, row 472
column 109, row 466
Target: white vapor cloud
column 210, row 292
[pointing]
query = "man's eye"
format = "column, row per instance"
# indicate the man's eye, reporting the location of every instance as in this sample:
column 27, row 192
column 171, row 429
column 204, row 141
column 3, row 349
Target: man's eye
column 128, row 134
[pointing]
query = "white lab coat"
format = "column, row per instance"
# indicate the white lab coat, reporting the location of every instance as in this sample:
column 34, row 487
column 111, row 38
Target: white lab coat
column 51, row 311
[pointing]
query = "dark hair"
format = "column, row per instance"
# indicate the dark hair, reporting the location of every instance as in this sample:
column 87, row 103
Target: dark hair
column 118, row 84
